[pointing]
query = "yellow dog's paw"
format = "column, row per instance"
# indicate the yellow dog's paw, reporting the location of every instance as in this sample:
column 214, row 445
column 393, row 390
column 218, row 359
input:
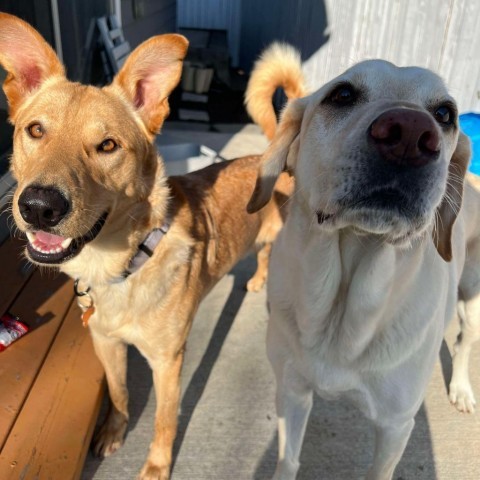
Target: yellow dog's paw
column 255, row 284
column 154, row 472
column 461, row 395
column 109, row 438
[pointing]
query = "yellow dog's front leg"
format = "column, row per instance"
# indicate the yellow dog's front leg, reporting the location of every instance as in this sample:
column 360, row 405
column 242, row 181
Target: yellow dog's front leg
column 166, row 378
column 112, row 353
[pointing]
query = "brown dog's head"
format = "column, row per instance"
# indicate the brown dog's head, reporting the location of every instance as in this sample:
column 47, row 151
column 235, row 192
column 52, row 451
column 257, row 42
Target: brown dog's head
column 82, row 155
column 378, row 149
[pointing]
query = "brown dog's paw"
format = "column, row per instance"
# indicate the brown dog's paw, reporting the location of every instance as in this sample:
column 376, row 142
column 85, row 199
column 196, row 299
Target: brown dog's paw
column 151, row 471
column 109, row 438
column 255, row 284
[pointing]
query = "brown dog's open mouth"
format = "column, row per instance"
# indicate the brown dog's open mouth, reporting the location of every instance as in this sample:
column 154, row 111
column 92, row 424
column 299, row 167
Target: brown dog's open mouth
column 322, row 217
column 46, row 248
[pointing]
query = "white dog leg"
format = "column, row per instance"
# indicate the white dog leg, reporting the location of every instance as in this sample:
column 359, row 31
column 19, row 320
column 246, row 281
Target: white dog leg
column 293, row 410
column 460, row 391
column 294, row 398
column 390, row 442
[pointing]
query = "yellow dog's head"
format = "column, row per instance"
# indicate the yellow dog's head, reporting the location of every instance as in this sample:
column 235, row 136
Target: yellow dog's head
column 82, row 156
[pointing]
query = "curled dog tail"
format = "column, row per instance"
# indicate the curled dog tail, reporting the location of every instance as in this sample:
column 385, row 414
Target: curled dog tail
column 279, row 65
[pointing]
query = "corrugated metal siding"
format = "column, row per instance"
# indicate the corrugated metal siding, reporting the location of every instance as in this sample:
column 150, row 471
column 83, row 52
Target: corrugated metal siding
column 442, row 35
column 215, row 14
column 301, row 23
column 143, row 18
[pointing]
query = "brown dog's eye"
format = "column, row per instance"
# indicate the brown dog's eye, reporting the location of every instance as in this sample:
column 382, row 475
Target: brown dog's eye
column 444, row 115
column 107, row 146
column 343, row 95
column 35, row 130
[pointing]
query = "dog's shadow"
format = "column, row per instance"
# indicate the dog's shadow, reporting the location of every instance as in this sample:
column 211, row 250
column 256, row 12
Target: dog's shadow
column 198, row 382
column 339, row 444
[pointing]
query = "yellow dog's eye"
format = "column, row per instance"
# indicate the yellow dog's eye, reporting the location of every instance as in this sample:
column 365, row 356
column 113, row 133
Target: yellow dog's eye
column 107, row 146
column 343, row 95
column 35, row 130
column 444, row 115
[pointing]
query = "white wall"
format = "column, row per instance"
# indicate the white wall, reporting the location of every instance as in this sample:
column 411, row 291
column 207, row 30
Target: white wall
column 443, row 35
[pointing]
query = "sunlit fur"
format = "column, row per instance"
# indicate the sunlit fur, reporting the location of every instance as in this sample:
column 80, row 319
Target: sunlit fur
column 279, row 66
column 209, row 227
column 360, row 299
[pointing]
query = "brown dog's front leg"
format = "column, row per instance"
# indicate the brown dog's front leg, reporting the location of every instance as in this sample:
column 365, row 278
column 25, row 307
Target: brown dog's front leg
column 166, row 379
column 256, row 283
column 113, row 356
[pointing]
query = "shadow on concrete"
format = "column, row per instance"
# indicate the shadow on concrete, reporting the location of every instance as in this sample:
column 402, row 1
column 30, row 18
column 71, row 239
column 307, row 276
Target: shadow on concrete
column 446, row 363
column 199, row 380
column 339, row 444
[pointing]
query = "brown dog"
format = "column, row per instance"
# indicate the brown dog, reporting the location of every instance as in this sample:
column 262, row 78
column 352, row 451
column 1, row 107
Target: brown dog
column 94, row 201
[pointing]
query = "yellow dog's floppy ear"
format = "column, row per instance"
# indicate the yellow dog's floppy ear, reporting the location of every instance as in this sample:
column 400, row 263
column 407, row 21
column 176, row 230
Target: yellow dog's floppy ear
column 28, row 59
column 452, row 200
column 150, row 74
column 280, row 156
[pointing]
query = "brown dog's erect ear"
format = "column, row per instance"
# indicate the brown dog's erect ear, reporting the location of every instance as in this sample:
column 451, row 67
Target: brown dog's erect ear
column 280, row 156
column 452, row 200
column 149, row 75
column 28, row 59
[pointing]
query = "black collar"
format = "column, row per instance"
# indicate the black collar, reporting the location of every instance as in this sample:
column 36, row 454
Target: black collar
column 144, row 252
column 146, row 249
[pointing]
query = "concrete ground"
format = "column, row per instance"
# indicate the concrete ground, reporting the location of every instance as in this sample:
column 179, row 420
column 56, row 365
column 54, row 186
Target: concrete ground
column 227, row 426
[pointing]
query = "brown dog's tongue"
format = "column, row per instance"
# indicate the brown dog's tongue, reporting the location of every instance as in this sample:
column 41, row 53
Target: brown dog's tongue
column 48, row 239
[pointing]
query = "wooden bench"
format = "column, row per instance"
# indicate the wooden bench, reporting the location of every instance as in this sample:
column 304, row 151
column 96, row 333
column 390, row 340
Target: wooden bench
column 51, row 383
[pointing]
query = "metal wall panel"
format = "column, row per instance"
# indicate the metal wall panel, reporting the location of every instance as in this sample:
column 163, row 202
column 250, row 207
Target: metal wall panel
column 301, row 23
column 143, row 18
column 214, row 14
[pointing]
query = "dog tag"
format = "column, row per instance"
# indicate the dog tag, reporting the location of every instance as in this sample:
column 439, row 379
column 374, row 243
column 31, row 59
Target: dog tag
column 86, row 315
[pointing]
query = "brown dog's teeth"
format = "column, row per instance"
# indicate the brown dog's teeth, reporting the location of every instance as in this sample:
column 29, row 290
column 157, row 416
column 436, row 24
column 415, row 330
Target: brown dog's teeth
column 322, row 217
column 31, row 237
column 66, row 243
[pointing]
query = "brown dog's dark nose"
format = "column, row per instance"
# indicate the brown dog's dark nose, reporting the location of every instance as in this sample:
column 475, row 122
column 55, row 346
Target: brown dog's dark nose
column 43, row 207
column 406, row 137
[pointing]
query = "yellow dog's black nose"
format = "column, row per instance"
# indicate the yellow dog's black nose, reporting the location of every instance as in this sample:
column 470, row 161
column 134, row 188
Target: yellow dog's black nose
column 43, row 207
